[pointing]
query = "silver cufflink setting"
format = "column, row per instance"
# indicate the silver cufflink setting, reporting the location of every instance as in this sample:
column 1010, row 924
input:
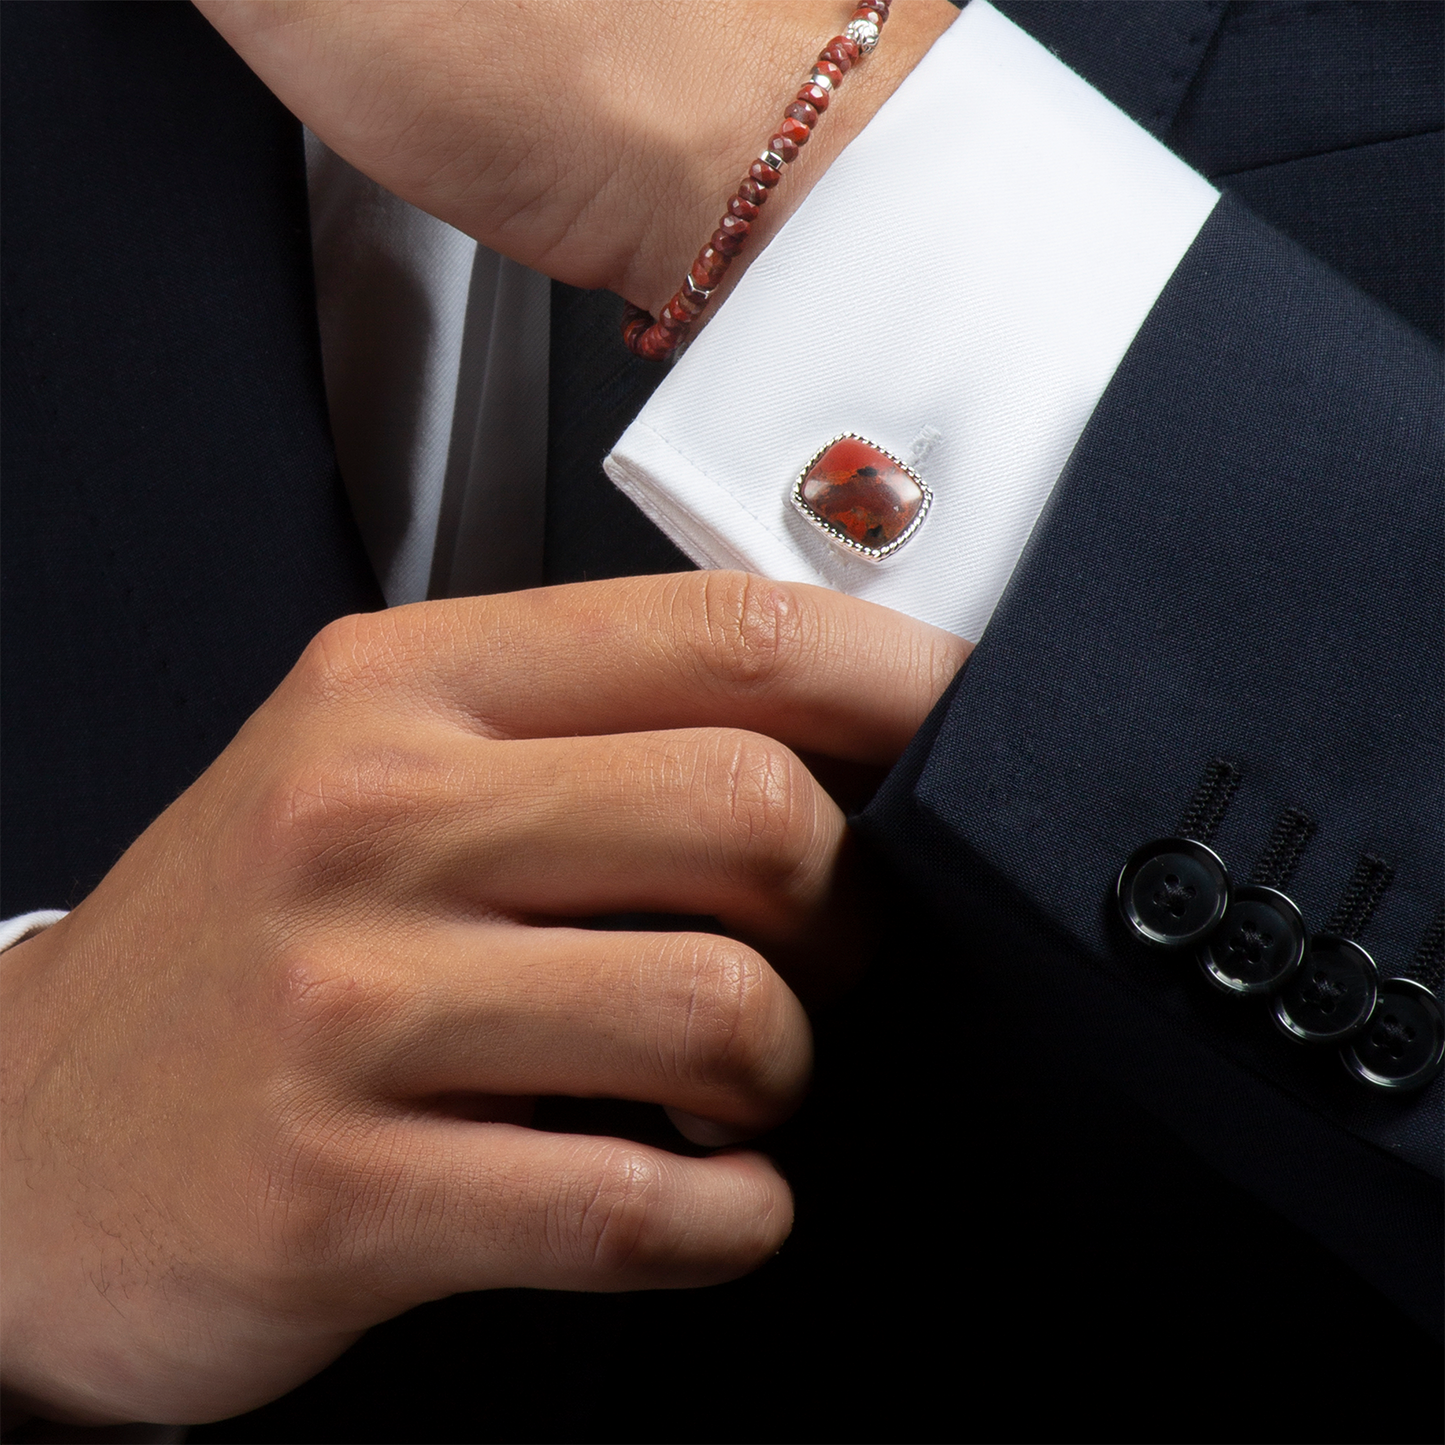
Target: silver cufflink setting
column 861, row 497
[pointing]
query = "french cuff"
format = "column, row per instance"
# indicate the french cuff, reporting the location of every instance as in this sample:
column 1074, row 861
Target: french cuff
column 23, row 925
column 958, row 288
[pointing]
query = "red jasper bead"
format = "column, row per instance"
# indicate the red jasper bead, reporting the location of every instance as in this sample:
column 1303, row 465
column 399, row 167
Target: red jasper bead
column 753, row 191
column 834, row 54
column 743, row 209
column 709, row 268
column 635, row 321
column 795, row 131
column 871, row 12
column 728, row 245
column 815, row 95
column 780, row 145
column 764, row 174
column 833, row 72
column 731, row 225
column 803, row 113
column 684, row 305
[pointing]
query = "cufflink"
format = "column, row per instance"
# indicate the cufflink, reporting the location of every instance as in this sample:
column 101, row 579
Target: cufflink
column 861, row 497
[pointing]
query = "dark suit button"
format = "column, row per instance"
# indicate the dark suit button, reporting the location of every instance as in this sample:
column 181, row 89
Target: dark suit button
column 1331, row 995
column 1258, row 945
column 1173, row 891
column 1402, row 1045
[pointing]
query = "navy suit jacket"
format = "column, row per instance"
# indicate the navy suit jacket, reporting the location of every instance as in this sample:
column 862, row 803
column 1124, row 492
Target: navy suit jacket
column 1241, row 560
column 1048, row 1184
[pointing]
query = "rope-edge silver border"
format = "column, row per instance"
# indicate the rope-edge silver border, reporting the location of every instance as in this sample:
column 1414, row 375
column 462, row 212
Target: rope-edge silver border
column 841, row 538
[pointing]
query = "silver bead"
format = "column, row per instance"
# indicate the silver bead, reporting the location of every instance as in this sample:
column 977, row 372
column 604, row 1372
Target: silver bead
column 772, row 158
column 694, row 290
column 822, row 78
column 863, row 34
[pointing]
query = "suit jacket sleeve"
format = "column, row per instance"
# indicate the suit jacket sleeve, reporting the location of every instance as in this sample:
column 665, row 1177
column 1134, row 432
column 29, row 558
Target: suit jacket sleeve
column 1240, row 560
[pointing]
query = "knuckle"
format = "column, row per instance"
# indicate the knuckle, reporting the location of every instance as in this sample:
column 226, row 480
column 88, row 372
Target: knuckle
column 751, row 625
column 616, row 1224
column 729, row 1018
column 768, row 810
column 323, row 822
column 358, row 654
column 328, row 1182
column 322, row 992
column 338, row 657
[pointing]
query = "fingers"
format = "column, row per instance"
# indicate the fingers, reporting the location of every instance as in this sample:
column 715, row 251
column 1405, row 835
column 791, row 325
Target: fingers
column 813, row 668
column 705, row 821
column 690, row 1020
column 470, row 1207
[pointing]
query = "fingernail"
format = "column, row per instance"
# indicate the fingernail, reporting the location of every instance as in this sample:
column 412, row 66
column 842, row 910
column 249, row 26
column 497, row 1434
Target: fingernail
column 707, row 1132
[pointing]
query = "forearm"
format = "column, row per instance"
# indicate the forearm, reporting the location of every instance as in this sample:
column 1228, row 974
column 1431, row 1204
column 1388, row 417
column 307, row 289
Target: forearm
column 598, row 144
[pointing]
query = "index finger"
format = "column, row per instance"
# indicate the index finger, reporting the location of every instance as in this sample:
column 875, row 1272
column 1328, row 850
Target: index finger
column 814, row 668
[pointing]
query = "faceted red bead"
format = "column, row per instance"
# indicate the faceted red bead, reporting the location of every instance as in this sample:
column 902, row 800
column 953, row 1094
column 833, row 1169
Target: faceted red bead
column 656, row 344
column 734, row 226
column 833, row 72
column 803, row 113
column 635, row 321
column 764, row 174
column 861, row 492
column 744, row 209
column 753, row 191
column 709, row 268
column 780, row 145
column 728, row 245
column 876, row 13
column 683, row 305
column 815, row 95
column 834, row 54
column 795, row 131
column 671, row 318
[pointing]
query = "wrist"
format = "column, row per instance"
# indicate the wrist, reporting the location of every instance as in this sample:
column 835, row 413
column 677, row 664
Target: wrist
column 724, row 145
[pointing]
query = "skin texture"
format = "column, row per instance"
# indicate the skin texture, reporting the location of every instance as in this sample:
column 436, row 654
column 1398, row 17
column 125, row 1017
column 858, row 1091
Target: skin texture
column 597, row 143
column 269, row 1084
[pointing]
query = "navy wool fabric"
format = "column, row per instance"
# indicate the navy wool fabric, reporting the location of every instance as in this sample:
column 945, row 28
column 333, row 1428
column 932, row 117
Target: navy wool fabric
column 1269, row 437
column 175, row 528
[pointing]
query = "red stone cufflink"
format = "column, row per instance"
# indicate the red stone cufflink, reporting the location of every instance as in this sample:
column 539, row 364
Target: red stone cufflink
column 861, row 497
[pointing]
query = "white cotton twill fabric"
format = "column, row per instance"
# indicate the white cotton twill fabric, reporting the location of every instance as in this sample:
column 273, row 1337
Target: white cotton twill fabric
column 25, row 925
column 959, row 287
column 391, row 299
column 434, row 352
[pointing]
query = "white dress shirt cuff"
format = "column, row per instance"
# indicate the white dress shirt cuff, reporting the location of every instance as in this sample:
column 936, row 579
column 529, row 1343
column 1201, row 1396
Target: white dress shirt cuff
column 959, row 288
column 23, row 925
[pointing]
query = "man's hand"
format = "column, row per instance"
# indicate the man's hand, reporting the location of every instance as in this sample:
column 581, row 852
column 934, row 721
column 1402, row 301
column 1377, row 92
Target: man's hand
column 269, row 1084
column 597, row 143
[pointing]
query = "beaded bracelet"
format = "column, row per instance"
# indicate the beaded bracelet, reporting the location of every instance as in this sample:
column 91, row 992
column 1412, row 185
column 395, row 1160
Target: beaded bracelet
column 656, row 340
